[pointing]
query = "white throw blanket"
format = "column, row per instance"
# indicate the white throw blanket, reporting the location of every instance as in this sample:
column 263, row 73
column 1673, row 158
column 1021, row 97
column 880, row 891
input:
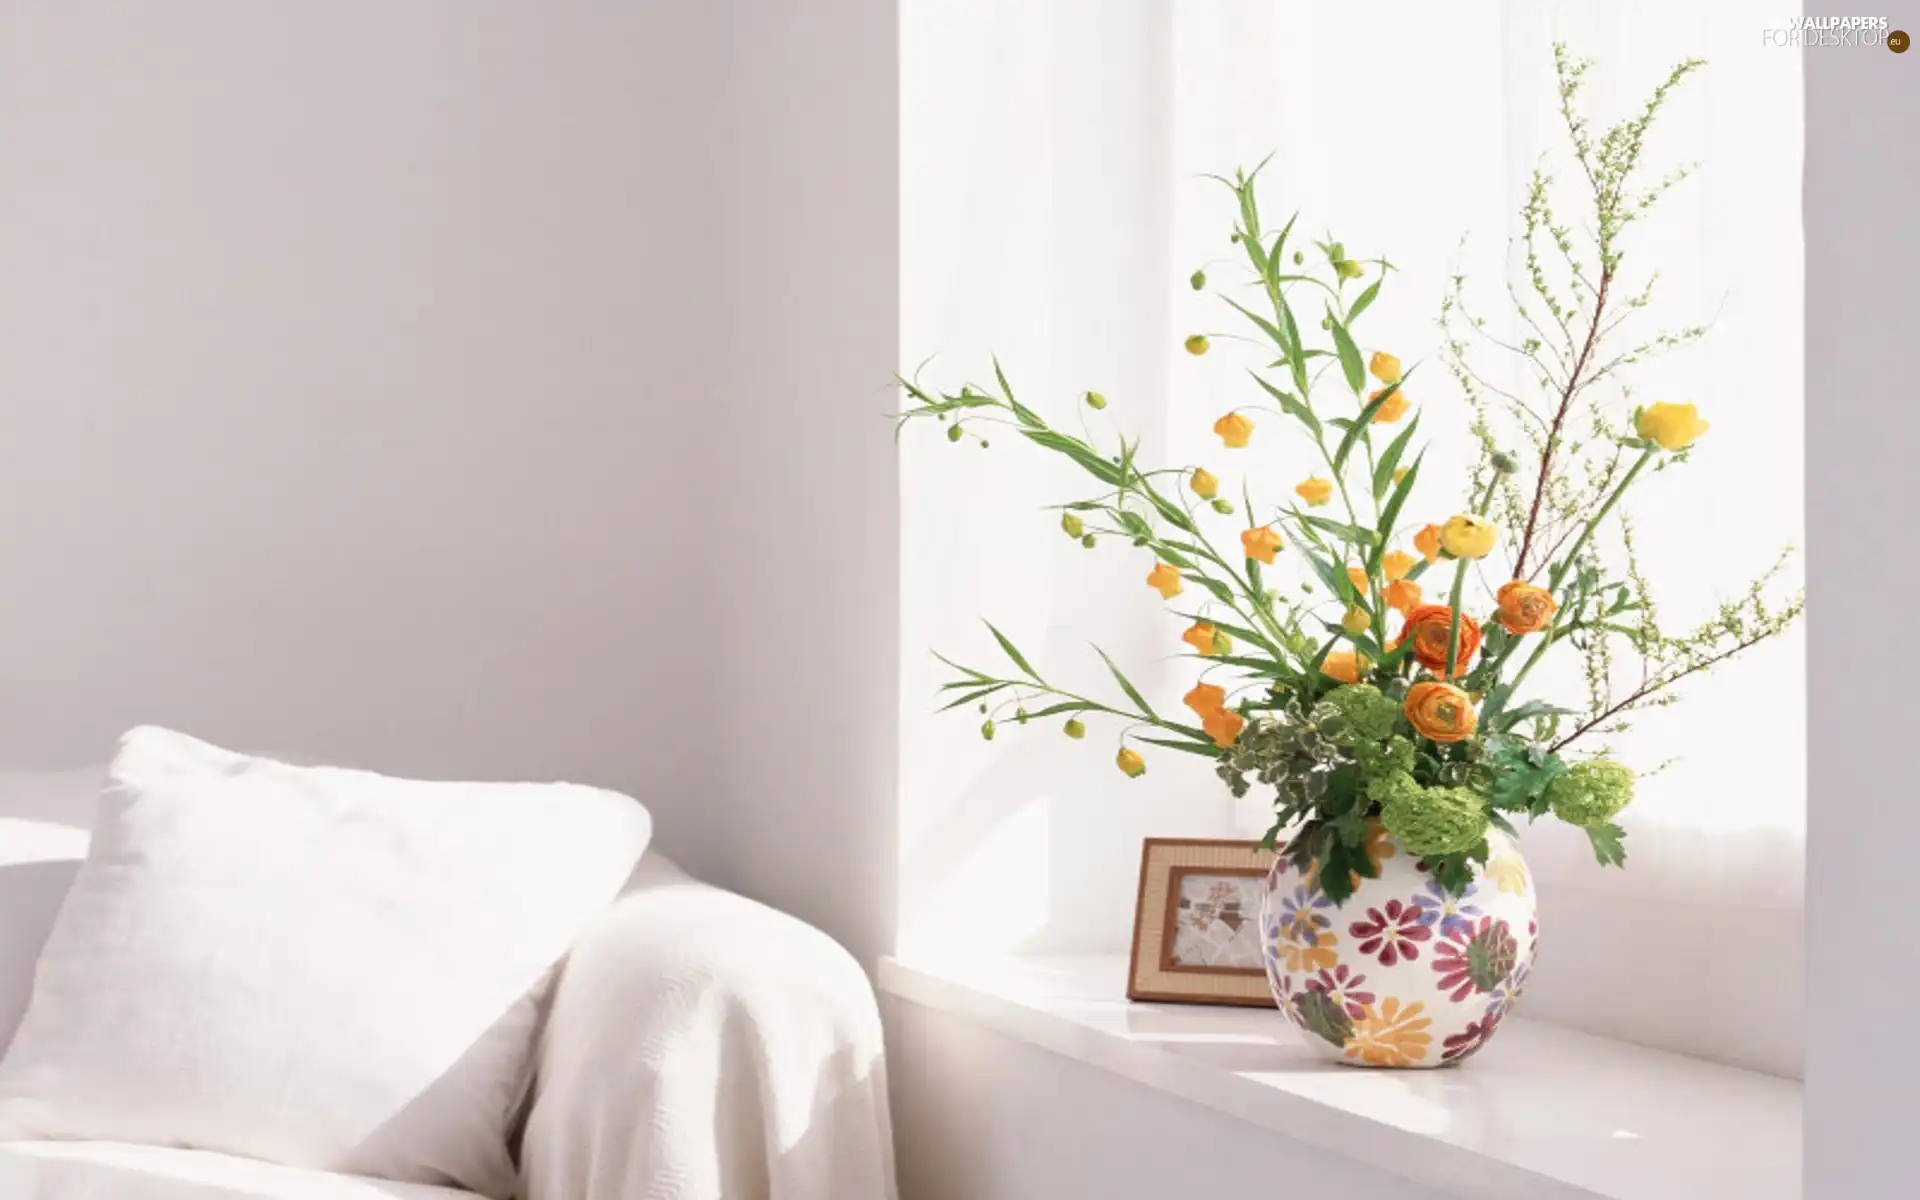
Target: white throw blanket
column 702, row 1046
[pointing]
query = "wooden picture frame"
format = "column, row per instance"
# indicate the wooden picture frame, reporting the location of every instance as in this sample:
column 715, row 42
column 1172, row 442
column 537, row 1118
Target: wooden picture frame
column 1196, row 923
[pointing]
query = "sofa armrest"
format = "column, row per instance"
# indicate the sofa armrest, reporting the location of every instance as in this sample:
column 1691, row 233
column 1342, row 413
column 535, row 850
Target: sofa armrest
column 703, row 1045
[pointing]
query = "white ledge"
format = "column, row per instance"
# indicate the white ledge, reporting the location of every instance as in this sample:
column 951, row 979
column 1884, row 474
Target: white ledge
column 1542, row 1113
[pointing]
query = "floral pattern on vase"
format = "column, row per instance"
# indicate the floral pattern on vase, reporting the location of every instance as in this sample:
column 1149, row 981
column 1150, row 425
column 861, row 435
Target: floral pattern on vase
column 1402, row 974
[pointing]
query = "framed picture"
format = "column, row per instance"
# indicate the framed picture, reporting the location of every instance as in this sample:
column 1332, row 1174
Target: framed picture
column 1196, row 929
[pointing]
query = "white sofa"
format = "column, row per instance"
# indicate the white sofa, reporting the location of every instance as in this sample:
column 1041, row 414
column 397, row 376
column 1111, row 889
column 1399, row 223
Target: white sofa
column 698, row 1044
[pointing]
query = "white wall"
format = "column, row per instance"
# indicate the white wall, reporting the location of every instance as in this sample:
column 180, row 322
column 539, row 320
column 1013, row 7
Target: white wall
column 478, row 388
column 1863, row 256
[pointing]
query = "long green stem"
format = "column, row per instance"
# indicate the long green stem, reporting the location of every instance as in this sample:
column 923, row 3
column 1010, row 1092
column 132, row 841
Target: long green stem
column 1453, row 625
column 1559, row 572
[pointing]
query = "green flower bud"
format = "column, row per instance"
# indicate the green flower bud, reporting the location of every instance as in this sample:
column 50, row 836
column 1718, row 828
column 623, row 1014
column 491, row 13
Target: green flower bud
column 1096, row 401
column 1505, row 463
column 1346, row 268
column 1223, row 505
column 1591, row 793
column 986, row 730
column 1020, row 714
column 1197, row 280
column 1074, row 729
column 1074, row 526
column 1326, row 322
column 1298, row 258
column 1197, row 344
column 984, row 443
column 1088, row 541
column 954, row 433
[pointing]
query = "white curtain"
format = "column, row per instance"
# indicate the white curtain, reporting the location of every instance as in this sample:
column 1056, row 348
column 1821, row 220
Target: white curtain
column 1053, row 213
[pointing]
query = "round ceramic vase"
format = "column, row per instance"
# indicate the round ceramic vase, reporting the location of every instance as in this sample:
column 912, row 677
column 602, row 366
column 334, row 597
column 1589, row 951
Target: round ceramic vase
column 1400, row 974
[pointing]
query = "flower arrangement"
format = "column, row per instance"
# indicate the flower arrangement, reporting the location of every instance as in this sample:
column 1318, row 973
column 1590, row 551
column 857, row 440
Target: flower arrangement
column 1392, row 692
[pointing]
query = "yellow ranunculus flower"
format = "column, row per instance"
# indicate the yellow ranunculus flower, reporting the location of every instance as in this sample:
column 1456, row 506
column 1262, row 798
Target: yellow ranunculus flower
column 1674, row 426
column 1234, row 429
column 1385, row 367
column 1356, row 621
column 1427, row 542
column 1223, row 725
column 1392, row 410
column 1197, row 344
column 1130, row 763
column 1165, row 578
column 1467, row 536
column 1201, row 637
column 1203, row 483
column 1261, row 544
column 1395, row 564
column 1314, row 490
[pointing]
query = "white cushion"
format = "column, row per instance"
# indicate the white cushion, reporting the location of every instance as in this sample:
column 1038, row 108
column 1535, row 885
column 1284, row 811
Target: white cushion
column 317, row 967
column 114, row 1171
column 44, row 819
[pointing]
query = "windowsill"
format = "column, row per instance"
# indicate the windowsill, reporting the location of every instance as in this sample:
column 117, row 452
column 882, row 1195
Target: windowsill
column 1544, row 1112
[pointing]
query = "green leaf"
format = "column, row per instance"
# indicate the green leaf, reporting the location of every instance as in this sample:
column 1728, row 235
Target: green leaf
column 1019, row 660
column 1296, row 358
column 1291, row 405
column 1208, row 750
column 1391, row 514
column 1608, row 846
column 1522, row 771
column 1390, row 461
column 1126, row 685
column 1086, row 456
column 1354, row 534
column 1360, row 423
column 1365, row 299
column 1527, row 712
column 1267, row 327
column 1219, row 591
column 1065, row 706
column 1350, row 364
column 974, row 697
column 963, row 670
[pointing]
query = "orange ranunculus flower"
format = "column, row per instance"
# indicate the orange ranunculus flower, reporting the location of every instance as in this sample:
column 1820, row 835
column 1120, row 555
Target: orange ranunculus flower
column 1205, row 698
column 1314, row 490
column 1427, row 542
column 1440, row 711
column 1391, row 410
column 1524, row 608
column 1395, row 564
column 1201, row 637
column 1130, row 763
column 1165, row 578
column 1203, row 483
column 1429, row 626
column 1357, row 576
column 1262, row 543
column 1234, row 429
column 1385, row 367
column 1223, row 725
column 1345, row 665
column 1403, row 594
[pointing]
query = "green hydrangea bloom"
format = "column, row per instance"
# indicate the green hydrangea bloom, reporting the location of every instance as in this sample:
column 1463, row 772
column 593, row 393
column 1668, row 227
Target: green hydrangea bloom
column 1429, row 820
column 1591, row 793
column 1376, row 759
column 1370, row 716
